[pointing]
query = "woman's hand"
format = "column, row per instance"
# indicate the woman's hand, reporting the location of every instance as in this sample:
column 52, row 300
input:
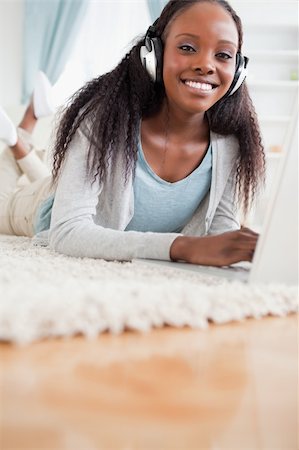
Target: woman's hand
column 219, row 250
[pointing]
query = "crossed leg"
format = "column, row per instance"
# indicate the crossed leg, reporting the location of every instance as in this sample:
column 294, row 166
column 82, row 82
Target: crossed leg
column 18, row 205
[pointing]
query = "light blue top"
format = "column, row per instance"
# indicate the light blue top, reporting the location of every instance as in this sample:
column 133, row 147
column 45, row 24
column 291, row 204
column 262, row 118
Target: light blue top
column 43, row 215
column 161, row 206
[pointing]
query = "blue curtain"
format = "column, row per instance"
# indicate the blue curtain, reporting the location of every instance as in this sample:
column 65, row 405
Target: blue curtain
column 155, row 8
column 50, row 29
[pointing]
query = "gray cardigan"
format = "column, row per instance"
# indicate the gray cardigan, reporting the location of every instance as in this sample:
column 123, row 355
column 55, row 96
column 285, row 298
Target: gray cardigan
column 89, row 220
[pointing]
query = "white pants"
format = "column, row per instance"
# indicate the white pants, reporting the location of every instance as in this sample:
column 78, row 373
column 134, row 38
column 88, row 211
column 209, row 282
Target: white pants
column 19, row 205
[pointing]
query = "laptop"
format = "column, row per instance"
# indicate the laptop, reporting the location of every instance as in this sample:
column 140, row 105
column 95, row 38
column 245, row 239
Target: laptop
column 276, row 255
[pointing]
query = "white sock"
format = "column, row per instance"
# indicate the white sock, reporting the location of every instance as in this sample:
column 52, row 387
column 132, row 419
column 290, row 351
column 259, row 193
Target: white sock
column 33, row 167
column 8, row 132
column 43, row 104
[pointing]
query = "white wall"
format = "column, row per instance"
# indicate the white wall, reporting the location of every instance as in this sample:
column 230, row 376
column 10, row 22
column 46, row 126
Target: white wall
column 11, row 25
column 259, row 12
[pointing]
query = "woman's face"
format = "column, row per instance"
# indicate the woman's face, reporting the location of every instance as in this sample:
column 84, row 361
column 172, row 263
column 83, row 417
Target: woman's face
column 199, row 57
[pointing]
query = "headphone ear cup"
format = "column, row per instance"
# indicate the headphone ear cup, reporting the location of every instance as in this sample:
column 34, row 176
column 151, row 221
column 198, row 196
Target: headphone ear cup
column 147, row 59
column 158, row 46
column 152, row 60
column 240, row 73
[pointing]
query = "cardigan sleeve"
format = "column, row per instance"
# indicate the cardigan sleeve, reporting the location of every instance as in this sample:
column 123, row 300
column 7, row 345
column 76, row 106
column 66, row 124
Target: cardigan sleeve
column 226, row 214
column 73, row 231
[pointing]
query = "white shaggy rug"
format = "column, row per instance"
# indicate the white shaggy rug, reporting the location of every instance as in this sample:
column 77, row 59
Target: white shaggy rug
column 44, row 294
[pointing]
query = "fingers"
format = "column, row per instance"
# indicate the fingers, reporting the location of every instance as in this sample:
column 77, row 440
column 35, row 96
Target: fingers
column 247, row 256
column 246, row 242
column 248, row 231
column 223, row 249
column 240, row 246
column 241, row 255
column 246, row 239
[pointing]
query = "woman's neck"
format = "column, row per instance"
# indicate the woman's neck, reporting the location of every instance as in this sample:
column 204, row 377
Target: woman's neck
column 173, row 144
column 181, row 126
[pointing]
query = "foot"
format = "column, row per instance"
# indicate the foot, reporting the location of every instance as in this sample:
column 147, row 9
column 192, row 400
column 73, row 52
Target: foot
column 29, row 120
column 8, row 132
column 42, row 100
column 19, row 150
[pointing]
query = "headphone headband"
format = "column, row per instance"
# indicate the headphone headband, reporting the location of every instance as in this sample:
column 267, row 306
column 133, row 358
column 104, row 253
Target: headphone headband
column 150, row 34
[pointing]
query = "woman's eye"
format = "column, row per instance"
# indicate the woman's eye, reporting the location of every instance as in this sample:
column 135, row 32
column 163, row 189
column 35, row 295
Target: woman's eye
column 187, row 48
column 223, row 55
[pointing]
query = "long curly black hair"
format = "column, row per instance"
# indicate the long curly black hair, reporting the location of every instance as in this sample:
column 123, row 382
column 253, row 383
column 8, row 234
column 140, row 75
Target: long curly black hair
column 115, row 102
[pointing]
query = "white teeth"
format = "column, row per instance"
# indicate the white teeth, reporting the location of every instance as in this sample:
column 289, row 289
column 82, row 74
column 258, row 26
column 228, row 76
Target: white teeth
column 202, row 86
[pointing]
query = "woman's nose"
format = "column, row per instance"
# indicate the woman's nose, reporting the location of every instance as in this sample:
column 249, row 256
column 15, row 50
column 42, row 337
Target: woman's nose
column 203, row 64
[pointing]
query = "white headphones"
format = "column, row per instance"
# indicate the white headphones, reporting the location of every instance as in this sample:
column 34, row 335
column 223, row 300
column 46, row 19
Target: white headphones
column 151, row 56
column 240, row 74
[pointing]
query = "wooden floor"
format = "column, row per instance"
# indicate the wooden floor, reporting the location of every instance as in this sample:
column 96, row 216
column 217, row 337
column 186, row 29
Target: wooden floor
column 229, row 387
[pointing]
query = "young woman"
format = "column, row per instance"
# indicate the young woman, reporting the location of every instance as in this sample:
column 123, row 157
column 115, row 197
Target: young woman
column 153, row 159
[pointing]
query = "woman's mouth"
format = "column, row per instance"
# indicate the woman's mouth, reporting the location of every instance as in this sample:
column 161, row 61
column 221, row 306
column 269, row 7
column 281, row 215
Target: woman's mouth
column 201, row 87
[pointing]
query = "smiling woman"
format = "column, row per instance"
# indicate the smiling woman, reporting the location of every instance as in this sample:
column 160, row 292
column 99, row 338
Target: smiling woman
column 199, row 66
column 153, row 158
